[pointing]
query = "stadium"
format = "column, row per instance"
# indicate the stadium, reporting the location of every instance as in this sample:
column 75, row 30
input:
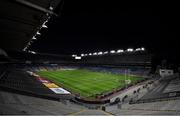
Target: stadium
column 78, row 80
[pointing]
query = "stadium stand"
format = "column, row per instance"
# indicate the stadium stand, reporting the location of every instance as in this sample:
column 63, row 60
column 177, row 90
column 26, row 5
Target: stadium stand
column 19, row 81
column 137, row 59
column 165, row 89
column 155, row 108
column 173, row 86
column 12, row 103
column 131, row 71
column 4, row 56
column 23, row 88
column 153, row 102
column 39, row 58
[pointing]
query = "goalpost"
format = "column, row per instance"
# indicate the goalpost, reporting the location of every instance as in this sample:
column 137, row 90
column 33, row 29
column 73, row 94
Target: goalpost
column 127, row 79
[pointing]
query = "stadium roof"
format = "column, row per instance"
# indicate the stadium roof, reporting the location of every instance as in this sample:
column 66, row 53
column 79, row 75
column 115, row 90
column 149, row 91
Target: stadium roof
column 21, row 19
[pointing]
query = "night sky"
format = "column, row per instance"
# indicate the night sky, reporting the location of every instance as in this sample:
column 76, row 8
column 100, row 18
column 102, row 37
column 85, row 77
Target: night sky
column 88, row 26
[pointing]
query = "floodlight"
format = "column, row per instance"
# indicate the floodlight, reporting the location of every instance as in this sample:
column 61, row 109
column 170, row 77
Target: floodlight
column 33, row 52
column 100, row 53
column 25, row 48
column 130, row 50
column 37, row 33
column 47, row 14
column 120, row 51
column 34, row 38
column 142, row 49
column 90, row 54
column 112, row 51
column 74, row 55
column 138, row 49
column 106, row 52
column 51, row 8
column 44, row 26
column 95, row 53
column 29, row 44
column 77, row 57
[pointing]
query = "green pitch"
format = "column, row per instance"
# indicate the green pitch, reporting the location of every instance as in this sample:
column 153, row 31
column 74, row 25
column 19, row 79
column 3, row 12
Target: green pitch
column 87, row 83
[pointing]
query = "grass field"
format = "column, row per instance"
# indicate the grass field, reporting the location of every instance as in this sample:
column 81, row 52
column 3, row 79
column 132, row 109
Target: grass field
column 87, row 83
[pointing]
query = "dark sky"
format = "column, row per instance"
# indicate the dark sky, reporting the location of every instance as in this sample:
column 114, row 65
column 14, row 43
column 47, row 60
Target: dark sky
column 87, row 26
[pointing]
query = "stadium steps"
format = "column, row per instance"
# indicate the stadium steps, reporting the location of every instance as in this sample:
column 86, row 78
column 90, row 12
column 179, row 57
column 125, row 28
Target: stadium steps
column 11, row 103
column 163, row 107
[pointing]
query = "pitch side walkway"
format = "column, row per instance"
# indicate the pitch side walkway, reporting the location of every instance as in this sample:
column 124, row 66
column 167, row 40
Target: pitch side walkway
column 128, row 91
column 90, row 112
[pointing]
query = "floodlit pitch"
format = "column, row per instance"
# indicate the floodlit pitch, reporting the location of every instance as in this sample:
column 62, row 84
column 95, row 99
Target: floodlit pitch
column 88, row 83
